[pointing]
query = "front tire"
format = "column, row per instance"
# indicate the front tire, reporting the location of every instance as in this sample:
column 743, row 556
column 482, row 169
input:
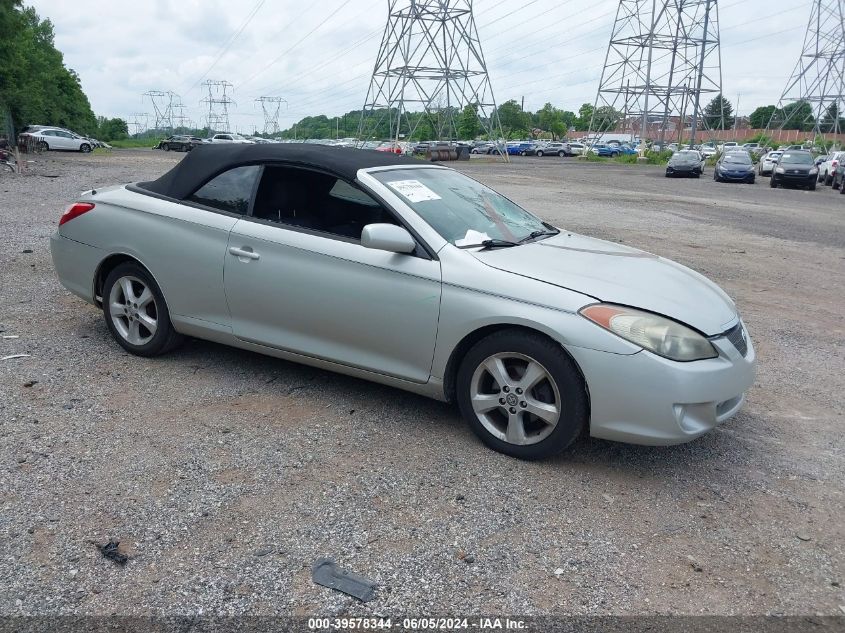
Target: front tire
column 85, row 148
column 540, row 153
column 135, row 312
column 522, row 394
column 165, row 147
column 561, row 153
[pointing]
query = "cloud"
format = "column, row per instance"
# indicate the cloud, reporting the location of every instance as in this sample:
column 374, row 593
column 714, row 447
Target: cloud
column 547, row 51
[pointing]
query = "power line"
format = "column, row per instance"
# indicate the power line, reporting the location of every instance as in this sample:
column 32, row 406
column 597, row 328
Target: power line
column 298, row 42
column 229, row 42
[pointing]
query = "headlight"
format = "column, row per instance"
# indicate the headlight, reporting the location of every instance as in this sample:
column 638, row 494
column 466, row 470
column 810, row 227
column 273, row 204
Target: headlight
column 814, row 171
column 779, row 170
column 655, row 333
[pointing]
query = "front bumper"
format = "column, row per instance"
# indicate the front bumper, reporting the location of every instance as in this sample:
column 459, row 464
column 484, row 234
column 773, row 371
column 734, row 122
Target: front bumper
column 746, row 176
column 801, row 180
column 646, row 399
column 683, row 170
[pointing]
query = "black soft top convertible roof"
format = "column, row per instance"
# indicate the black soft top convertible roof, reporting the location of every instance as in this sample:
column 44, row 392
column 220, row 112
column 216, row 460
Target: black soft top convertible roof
column 206, row 161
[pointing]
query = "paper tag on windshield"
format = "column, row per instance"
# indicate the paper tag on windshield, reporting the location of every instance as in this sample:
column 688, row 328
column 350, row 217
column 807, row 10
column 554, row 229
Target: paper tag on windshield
column 472, row 237
column 414, row 190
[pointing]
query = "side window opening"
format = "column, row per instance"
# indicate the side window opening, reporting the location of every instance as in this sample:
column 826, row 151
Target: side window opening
column 316, row 201
column 230, row 191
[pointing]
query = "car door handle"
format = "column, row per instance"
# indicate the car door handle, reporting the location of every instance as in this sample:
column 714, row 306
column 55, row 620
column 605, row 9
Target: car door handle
column 241, row 252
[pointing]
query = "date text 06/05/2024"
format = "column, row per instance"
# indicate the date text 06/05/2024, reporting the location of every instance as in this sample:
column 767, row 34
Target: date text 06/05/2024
column 416, row 624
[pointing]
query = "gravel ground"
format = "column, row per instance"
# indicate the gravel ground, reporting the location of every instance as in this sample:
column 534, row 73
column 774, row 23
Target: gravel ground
column 225, row 474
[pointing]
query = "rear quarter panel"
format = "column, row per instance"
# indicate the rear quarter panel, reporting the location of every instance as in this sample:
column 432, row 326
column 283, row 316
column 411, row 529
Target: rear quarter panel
column 183, row 247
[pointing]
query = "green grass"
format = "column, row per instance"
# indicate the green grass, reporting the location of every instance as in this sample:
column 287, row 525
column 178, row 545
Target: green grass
column 129, row 143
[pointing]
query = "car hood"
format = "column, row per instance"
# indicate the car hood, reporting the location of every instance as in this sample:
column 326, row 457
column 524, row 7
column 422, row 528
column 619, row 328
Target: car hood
column 615, row 273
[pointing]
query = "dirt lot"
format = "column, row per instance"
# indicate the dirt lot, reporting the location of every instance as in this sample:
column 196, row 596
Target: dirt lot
column 225, row 474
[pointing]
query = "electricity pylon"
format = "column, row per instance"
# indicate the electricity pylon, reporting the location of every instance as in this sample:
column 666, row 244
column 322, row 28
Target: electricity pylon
column 662, row 59
column 271, row 106
column 814, row 95
column 138, row 120
column 429, row 63
column 218, row 102
column 162, row 101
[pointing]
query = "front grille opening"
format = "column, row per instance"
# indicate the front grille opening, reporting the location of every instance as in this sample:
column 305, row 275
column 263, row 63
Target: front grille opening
column 737, row 338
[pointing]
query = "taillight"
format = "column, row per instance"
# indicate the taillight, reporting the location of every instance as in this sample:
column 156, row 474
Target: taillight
column 74, row 211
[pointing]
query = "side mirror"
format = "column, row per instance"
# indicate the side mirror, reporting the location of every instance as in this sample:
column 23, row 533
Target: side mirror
column 387, row 237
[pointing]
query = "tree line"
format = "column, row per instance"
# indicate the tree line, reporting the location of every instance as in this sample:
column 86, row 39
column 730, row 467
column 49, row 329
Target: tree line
column 35, row 85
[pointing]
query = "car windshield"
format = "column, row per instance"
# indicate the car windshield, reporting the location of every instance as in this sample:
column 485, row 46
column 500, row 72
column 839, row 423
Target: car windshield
column 797, row 158
column 685, row 155
column 741, row 159
column 461, row 210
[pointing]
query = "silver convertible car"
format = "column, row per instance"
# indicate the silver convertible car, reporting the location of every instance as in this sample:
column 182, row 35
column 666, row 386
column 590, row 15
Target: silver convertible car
column 416, row 276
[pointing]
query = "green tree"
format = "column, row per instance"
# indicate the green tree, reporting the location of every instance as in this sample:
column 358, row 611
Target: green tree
column 585, row 117
column 468, row 125
column 718, row 114
column 760, row 118
column 832, row 120
column 551, row 119
column 514, row 121
column 796, row 116
column 606, row 118
column 111, row 129
column 35, row 85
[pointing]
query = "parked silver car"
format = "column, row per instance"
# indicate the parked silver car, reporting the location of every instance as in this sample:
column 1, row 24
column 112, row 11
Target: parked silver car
column 413, row 275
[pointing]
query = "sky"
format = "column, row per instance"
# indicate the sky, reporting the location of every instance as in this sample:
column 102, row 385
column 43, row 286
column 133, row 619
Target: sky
column 319, row 56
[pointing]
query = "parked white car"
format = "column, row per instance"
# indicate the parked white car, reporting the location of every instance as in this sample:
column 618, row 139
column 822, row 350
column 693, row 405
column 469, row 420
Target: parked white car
column 577, row 149
column 50, row 138
column 229, row 138
column 767, row 163
column 707, row 151
column 828, row 167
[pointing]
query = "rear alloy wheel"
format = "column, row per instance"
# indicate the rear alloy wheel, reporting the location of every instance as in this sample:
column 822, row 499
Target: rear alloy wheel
column 540, row 153
column 522, row 394
column 136, row 313
column 561, row 153
column 42, row 146
column 85, row 148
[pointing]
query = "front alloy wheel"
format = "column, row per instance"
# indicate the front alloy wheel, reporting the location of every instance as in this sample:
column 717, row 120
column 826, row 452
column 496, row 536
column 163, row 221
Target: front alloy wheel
column 522, row 394
column 515, row 398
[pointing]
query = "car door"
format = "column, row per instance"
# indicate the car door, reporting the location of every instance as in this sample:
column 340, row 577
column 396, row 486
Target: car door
column 66, row 141
column 295, row 283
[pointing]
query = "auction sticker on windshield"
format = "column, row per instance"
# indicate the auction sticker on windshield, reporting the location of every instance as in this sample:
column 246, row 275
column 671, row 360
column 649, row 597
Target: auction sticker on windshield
column 413, row 190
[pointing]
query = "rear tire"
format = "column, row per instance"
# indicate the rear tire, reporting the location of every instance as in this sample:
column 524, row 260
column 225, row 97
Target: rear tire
column 135, row 312
column 539, row 410
column 540, row 153
column 42, row 146
column 561, row 153
column 828, row 179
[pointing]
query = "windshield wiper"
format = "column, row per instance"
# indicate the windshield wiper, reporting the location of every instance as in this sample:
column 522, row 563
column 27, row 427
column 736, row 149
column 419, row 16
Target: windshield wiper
column 491, row 243
column 535, row 234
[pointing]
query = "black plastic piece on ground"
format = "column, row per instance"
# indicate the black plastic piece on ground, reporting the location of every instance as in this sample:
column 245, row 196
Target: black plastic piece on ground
column 110, row 551
column 327, row 574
